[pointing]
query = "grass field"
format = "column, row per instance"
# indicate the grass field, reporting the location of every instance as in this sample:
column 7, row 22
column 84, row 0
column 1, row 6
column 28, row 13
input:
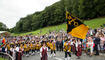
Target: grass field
column 93, row 23
column 2, row 58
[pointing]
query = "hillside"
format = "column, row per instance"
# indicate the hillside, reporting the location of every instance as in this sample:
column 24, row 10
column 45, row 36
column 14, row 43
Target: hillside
column 93, row 23
column 55, row 14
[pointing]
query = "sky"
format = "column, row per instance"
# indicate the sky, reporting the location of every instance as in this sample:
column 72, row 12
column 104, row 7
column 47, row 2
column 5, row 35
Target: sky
column 12, row 10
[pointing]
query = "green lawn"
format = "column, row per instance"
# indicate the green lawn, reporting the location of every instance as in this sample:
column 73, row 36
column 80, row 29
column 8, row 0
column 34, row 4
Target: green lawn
column 93, row 23
column 2, row 58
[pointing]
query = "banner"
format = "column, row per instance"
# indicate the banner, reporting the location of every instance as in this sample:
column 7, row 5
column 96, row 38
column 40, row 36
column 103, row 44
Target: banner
column 75, row 27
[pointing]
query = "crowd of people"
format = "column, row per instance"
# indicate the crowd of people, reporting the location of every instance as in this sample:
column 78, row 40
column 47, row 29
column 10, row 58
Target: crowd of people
column 28, row 45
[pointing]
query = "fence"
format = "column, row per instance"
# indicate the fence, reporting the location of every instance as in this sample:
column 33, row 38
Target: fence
column 6, row 56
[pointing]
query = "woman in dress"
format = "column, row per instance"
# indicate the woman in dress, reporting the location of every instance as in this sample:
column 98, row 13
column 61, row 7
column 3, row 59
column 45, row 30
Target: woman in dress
column 78, row 49
column 43, row 51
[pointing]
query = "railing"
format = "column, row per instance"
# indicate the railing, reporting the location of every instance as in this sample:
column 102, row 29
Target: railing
column 6, row 56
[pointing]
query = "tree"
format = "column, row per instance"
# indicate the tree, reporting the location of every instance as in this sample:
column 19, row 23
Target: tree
column 3, row 27
column 86, row 9
column 75, row 7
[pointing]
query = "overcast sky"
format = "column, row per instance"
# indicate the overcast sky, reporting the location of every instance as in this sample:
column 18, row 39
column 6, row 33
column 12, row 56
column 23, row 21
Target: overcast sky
column 12, row 10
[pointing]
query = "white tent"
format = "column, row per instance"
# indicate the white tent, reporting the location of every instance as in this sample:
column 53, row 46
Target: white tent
column 4, row 33
column 1, row 32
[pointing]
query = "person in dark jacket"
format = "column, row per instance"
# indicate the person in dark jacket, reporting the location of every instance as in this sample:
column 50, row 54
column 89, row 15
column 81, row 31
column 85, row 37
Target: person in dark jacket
column 57, row 45
column 3, row 49
column 97, row 42
column 61, row 45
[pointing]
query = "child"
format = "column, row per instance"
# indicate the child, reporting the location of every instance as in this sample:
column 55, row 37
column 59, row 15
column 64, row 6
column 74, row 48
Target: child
column 84, row 45
column 43, row 51
column 90, row 45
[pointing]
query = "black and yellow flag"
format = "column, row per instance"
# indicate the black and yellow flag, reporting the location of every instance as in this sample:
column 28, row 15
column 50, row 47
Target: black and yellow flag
column 75, row 27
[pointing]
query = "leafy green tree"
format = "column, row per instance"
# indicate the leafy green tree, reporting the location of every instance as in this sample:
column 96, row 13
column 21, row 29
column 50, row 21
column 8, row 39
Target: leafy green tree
column 75, row 7
column 99, row 6
column 3, row 27
column 86, row 9
column 19, row 26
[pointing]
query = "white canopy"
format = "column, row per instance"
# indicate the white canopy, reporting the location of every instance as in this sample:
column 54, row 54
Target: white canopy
column 2, row 32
